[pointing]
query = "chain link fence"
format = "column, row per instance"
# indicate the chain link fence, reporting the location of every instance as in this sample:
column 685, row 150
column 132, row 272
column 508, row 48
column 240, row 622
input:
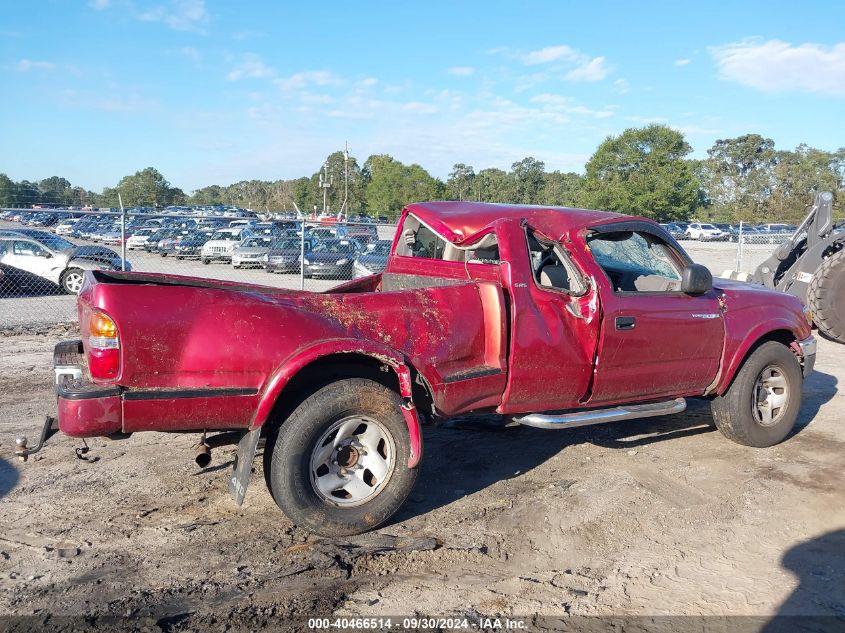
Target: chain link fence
column 44, row 254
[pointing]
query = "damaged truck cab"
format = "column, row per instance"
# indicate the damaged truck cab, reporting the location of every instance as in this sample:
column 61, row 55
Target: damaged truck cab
column 547, row 316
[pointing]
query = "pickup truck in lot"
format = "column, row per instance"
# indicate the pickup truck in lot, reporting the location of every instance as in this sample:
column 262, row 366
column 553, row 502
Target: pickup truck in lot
column 549, row 317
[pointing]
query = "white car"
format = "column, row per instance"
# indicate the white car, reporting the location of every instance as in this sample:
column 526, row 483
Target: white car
column 33, row 256
column 705, row 232
column 139, row 238
column 66, row 226
column 222, row 244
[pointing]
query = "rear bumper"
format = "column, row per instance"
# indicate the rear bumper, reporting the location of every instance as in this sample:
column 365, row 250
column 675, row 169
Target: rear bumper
column 84, row 408
column 807, row 348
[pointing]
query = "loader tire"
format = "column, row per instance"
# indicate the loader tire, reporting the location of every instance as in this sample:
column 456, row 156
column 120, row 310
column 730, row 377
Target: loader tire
column 826, row 297
column 338, row 465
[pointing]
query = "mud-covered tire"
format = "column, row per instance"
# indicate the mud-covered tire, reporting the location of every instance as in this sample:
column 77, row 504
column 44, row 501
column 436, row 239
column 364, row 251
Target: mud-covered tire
column 826, row 297
column 71, row 280
column 736, row 412
column 296, row 445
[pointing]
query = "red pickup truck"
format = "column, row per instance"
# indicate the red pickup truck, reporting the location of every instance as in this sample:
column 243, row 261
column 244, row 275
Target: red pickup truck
column 551, row 317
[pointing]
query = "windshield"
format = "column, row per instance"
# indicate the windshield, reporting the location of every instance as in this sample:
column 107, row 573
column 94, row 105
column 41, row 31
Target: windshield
column 287, row 244
column 334, row 247
column 256, row 242
column 224, row 236
column 56, row 243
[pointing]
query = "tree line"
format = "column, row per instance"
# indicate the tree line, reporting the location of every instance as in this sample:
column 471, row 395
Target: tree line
column 644, row 171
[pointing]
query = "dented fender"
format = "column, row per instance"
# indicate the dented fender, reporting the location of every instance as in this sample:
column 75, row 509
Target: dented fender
column 291, row 366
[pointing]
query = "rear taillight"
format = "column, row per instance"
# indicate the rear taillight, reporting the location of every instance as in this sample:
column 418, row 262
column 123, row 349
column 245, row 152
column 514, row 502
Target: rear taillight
column 103, row 347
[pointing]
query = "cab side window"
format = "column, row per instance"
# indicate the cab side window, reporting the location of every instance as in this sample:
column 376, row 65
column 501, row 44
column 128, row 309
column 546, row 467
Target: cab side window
column 551, row 266
column 636, row 261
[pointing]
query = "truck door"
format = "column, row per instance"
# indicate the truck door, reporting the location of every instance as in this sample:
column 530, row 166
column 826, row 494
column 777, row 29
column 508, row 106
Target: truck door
column 554, row 325
column 655, row 340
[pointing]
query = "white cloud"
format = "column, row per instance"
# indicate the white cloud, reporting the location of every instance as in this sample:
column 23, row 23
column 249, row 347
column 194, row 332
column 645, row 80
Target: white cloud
column 561, row 103
column 776, row 66
column 461, row 71
column 369, row 82
column 578, row 66
column 682, row 62
column 622, row 86
column 251, row 67
column 551, row 54
column 99, row 5
column 418, row 107
column 594, row 70
column 130, row 102
column 27, row 65
column 192, row 54
column 308, row 78
column 179, row 15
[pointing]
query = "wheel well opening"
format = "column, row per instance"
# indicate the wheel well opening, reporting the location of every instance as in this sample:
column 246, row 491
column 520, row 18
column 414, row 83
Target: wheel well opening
column 785, row 337
column 334, row 367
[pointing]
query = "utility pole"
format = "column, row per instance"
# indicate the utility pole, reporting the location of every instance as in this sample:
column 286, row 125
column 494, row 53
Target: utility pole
column 326, row 182
column 345, row 180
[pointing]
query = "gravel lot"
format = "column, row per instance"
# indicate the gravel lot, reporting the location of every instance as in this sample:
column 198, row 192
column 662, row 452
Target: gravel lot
column 641, row 518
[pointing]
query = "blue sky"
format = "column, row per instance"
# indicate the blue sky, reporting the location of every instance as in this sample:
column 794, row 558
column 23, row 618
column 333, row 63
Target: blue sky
column 214, row 92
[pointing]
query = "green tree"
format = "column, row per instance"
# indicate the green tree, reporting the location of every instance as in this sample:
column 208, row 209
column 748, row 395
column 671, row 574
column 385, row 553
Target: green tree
column 561, row 189
column 335, row 166
column 798, row 176
column 145, row 188
column 8, row 192
column 210, row 195
column 392, row 185
column 55, row 190
column 459, row 184
column 738, row 176
column 643, row 171
column 527, row 176
column 494, row 185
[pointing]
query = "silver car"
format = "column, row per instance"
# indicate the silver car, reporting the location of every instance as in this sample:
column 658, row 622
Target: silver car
column 26, row 254
column 251, row 252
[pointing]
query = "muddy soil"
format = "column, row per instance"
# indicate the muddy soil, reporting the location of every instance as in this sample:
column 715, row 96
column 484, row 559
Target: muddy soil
column 660, row 516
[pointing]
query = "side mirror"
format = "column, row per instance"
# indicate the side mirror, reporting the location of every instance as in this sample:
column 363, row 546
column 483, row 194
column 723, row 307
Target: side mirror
column 696, row 280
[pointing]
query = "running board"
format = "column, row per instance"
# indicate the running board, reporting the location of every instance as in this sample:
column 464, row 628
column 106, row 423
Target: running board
column 600, row 416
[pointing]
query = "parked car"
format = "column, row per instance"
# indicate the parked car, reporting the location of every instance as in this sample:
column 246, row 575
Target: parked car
column 167, row 246
column 336, row 381
column 331, row 258
column 65, row 227
column 251, row 252
column 705, row 232
column 222, row 244
column 139, row 237
column 285, row 254
column 54, row 258
column 372, row 260
column 190, row 246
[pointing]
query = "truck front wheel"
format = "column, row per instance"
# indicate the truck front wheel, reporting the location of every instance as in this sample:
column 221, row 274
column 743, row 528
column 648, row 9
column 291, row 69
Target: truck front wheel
column 338, row 465
column 761, row 405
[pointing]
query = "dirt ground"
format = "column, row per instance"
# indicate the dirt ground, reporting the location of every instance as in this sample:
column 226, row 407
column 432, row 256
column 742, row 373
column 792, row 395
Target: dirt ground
column 653, row 517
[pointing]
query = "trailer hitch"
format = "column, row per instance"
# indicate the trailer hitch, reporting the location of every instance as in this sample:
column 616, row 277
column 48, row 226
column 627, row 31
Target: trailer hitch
column 50, row 428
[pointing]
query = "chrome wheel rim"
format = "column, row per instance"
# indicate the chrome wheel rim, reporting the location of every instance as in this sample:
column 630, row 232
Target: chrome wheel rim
column 73, row 282
column 352, row 461
column 770, row 396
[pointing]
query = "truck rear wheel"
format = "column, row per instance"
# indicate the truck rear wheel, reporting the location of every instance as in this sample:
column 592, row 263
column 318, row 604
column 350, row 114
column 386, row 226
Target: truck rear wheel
column 827, row 297
column 761, row 405
column 338, row 465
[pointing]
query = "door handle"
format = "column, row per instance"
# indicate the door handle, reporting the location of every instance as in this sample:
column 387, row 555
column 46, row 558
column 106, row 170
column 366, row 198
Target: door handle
column 625, row 323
